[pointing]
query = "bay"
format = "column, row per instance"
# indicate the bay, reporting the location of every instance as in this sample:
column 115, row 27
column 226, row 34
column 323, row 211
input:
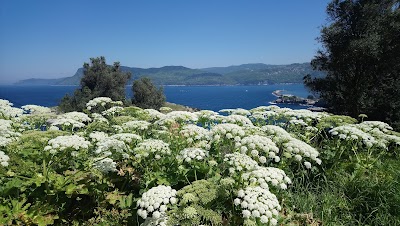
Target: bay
column 202, row 97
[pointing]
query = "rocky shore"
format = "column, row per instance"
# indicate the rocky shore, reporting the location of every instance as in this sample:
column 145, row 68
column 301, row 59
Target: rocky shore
column 292, row 99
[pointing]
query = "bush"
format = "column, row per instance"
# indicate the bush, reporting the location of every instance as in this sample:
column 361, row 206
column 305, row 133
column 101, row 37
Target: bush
column 146, row 94
column 99, row 80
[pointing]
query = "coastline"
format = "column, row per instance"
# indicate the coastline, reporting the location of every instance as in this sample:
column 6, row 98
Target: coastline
column 286, row 83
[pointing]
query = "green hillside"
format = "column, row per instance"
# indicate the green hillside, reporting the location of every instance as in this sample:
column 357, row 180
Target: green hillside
column 246, row 74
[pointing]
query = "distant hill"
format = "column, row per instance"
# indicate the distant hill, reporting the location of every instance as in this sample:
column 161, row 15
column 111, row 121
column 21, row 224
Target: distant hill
column 245, row 74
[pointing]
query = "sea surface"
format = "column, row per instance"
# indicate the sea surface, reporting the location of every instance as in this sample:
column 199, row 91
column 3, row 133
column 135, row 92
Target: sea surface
column 203, row 97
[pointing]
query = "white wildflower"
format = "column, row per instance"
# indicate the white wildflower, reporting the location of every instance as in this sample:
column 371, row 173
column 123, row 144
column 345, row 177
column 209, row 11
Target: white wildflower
column 138, row 125
column 4, row 159
column 160, row 197
column 195, row 154
column 152, row 146
column 105, row 165
column 268, row 175
column 62, row 143
column 259, row 203
column 239, row 162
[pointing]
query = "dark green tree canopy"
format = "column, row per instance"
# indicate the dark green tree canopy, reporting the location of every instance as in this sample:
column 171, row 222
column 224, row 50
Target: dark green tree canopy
column 361, row 55
column 99, row 80
column 146, row 94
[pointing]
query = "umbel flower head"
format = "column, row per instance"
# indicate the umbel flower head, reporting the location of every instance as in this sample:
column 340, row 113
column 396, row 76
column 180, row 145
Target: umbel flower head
column 192, row 154
column 7, row 133
column 238, row 120
column 36, row 109
column 4, row 159
column 154, row 147
column 257, row 202
column 259, row 147
column 111, row 145
column 98, row 101
column 138, row 125
column 154, row 203
column 227, row 131
column 105, row 165
column 267, row 175
column 62, row 143
column 240, row 163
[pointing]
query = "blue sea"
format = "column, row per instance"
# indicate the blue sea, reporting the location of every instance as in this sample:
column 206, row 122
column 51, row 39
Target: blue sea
column 203, row 97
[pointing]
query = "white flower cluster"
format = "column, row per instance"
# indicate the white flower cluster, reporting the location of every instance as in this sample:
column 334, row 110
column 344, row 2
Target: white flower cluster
column 380, row 131
column 298, row 149
column 7, row 134
column 153, row 203
column 128, row 138
column 264, row 175
column 260, row 109
column 73, row 119
column 99, row 118
column 278, row 109
column 227, row 131
column 162, row 221
column 264, row 115
column 299, row 122
column 207, row 115
column 4, row 159
column 237, row 119
column 36, row 109
column 237, row 111
column 193, row 133
column 258, row 147
column 153, row 114
column 178, row 116
column 349, row 132
column 61, row 143
column 189, row 154
column 105, row 147
column 383, row 138
column 77, row 116
column 152, row 146
column 99, row 101
column 105, row 165
column 276, row 133
column 165, row 109
column 258, row 202
column 5, row 103
column 240, row 162
column 98, row 136
column 369, row 125
column 7, row 111
column 117, row 128
column 112, row 111
column 68, row 122
column 136, row 125
column 306, row 115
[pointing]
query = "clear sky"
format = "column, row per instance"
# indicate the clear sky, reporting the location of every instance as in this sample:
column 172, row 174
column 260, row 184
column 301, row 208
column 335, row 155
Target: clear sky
column 52, row 39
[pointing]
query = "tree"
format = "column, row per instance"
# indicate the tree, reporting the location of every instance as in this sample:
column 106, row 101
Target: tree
column 361, row 55
column 99, row 80
column 146, row 94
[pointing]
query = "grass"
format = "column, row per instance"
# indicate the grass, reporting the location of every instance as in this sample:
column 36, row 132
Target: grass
column 366, row 196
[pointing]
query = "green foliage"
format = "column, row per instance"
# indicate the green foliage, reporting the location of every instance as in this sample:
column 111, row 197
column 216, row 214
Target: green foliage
column 361, row 54
column 146, row 95
column 99, row 80
column 202, row 168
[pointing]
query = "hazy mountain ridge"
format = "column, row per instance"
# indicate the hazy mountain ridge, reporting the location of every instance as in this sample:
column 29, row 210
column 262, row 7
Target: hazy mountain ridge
column 245, row 74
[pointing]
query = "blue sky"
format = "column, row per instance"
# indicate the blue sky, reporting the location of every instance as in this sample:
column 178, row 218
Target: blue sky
column 52, row 39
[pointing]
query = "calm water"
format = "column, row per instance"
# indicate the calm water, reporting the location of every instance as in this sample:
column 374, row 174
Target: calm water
column 202, row 97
